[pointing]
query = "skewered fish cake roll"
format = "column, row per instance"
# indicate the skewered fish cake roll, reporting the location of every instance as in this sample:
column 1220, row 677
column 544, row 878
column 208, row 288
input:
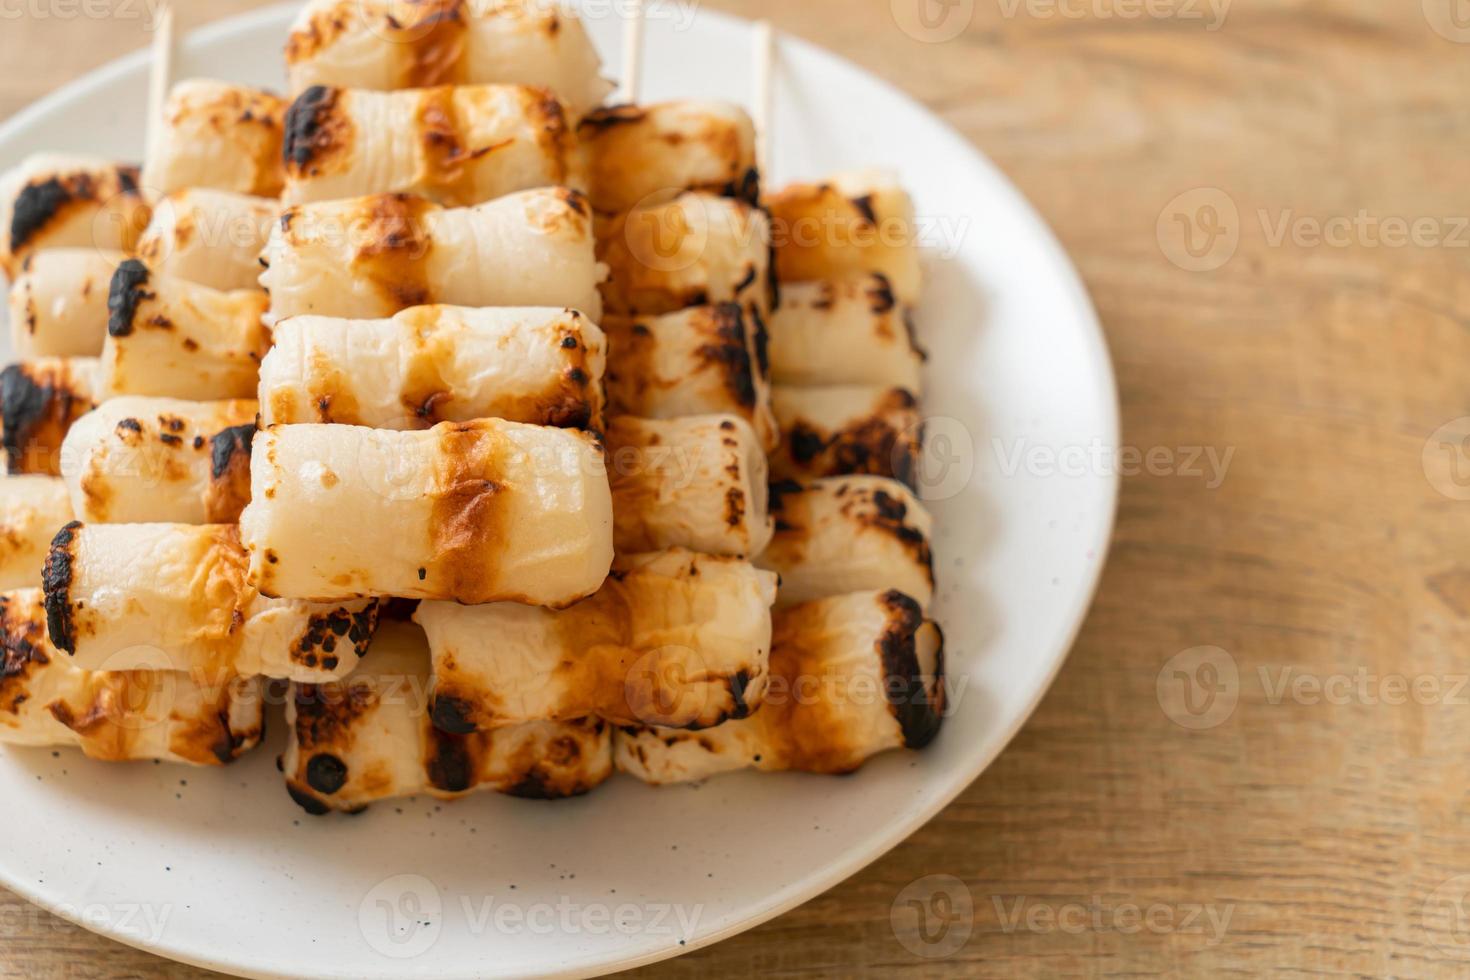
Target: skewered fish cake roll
column 32, row 509
column 693, row 250
column 54, row 200
column 115, row 716
column 850, row 331
column 135, row 460
column 700, row 361
column 219, row 136
column 849, row 534
column 639, row 155
column 385, row 45
column 845, row 227
column 696, row 483
column 455, row 145
column 368, row 738
column 851, row 676
column 374, row 256
column 844, row 429
column 39, row 400
column 173, row 338
column 481, row 511
column 176, row 597
column 213, row 238
column 58, row 303
column 429, row 364
column 673, row 638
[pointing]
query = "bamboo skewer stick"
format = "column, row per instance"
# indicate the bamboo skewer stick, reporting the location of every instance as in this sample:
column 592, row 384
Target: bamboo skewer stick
column 632, row 55
column 762, row 108
column 160, row 74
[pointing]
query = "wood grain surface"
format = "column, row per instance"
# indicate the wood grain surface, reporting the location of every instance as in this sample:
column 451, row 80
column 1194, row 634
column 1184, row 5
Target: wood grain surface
column 1254, row 759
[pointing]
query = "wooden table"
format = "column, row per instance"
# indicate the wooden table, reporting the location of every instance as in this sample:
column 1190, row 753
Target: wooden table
column 1308, row 818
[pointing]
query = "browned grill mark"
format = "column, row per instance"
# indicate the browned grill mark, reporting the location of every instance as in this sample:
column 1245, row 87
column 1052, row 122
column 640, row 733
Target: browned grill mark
column 467, row 518
column 394, row 248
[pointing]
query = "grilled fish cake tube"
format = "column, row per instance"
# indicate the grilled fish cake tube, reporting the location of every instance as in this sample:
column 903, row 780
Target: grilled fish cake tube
column 430, row 364
column 851, row 676
column 54, row 200
column 385, row 45
column 374, row 256
column 701, row 361
column 455, row 145
column 368, row 737
column 172, row 338
column 116, row 716
column 213, row 238
column 219, row 136
column 479, row 511
column 673, row 638
column 846, row 332
column 135, row 460
column 849, row 534
column 639, row 155
column 176, row 597
column 848, row 226
column 693, row 250
column 58, row 303
column 846, row 429
column 696, row 483
column 40, row 398
column 32, row 509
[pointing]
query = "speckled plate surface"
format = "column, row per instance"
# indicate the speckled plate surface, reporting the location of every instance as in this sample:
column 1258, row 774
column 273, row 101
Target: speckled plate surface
column 221, row 869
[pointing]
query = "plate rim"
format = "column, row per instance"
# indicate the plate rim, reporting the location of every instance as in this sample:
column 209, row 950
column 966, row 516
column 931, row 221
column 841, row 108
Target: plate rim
column 802, row 890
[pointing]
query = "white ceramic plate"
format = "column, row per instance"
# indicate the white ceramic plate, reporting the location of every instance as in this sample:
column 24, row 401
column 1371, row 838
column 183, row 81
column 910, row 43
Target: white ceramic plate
column 221, row 869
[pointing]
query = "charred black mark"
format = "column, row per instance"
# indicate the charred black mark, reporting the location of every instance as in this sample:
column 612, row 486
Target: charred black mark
column 762, row 344
column 449, row 765
column 23, row 403
column 880, row 295
column 569, row 342
column 452, row 715
column 326, row 773
column 739, row 684
column 126, row 292
column 56, row 577
column 731, row 352
column 746, row 189
column 778, row 492
column 864, row 206
column 224, row 445
column 576, row 200
column 306, row 132
column 37, row 204
column 227, row 746
column 917, row 710
column 307, row 802
column 131, row 425
column 609, row 116
column 805, row 443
